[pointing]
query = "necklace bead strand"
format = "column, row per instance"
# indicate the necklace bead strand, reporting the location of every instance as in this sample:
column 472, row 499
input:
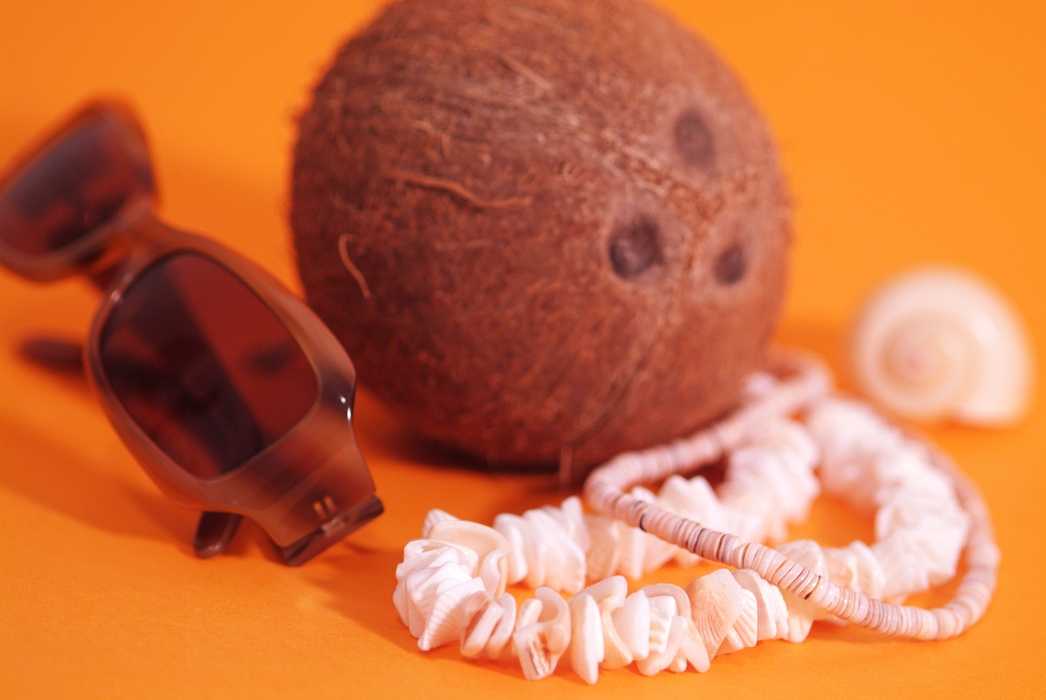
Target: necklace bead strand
column 451, row 583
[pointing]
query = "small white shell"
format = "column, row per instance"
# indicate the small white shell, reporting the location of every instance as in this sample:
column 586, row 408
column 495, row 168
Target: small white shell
column 669, row 590
column 940, row 343
column 426, row 557
column 444, row 623
column 529, row 612
column 658, row 661
column 679, row 663
column 610, row 591
column 502, row 633
column 855, row 567
column 716, row 601
column 616, row 653
column 802, row 613
column 632, row 547
column 490, row 545
column 586, row 635
column 434, row 516
column 744, row 633
column 419, row 554
column 640, row 551
column 565, row 568
column 904, row 570
column 609, row 595
column 693, row 498
column 479, row 618
column 574, row 514
column 603, row 555
column 632, row 622
column 660, row 625
column 771, row 611
column 423, row 587
column 541, row 644
column 522, row 540
column 693, row 648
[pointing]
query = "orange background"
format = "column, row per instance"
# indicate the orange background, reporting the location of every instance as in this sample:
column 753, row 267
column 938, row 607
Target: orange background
column 910, row 135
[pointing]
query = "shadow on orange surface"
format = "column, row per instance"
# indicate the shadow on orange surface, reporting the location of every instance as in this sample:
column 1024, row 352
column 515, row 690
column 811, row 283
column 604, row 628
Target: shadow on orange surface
column 70, row 484
column 359, row 584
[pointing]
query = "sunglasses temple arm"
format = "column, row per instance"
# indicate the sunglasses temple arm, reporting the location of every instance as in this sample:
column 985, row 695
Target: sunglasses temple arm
column 214, row 532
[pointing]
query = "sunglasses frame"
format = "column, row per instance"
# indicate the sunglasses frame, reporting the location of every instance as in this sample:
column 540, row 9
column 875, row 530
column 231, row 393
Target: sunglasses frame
column 303, row 511
column 83, row 255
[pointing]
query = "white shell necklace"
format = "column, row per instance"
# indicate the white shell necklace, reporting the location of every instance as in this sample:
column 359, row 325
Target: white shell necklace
column 451, row 584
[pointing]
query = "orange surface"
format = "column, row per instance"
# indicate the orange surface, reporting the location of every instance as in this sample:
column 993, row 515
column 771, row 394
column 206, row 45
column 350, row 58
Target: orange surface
column 910, row 135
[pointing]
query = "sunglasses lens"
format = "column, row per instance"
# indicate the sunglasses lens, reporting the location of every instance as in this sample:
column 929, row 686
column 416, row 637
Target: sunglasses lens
column 203, row 366
column 80, row 180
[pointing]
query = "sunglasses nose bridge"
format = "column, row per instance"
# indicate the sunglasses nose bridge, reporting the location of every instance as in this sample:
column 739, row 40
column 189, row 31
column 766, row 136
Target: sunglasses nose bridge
column 127, row 243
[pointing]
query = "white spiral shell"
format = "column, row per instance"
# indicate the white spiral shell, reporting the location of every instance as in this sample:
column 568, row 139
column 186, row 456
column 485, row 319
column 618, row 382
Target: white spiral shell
column 940, row 343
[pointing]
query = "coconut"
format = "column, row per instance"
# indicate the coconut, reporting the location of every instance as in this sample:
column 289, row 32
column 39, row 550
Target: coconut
column 546, row 231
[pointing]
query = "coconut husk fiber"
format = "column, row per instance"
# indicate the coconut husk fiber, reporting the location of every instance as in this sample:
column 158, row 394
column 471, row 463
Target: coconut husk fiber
column 546, row 231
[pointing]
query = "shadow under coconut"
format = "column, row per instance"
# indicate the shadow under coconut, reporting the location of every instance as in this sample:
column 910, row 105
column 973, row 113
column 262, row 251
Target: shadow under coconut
column 383, row 435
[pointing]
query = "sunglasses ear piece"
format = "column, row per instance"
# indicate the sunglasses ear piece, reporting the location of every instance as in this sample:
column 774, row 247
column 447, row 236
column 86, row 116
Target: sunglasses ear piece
column 214, row 532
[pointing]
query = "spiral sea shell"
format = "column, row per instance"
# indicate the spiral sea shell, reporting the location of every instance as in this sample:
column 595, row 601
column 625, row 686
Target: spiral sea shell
column 940, row 343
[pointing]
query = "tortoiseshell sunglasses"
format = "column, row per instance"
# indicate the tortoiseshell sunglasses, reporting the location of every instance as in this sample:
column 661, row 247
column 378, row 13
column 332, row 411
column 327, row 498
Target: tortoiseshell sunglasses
column 229, row 391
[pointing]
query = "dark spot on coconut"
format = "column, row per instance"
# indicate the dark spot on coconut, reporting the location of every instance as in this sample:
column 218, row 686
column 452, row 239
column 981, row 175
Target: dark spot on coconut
column 694, row 139
column 731, row 265
column 635, row 247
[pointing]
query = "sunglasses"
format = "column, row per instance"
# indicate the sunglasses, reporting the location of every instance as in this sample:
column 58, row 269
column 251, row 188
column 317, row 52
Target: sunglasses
column 230, row 392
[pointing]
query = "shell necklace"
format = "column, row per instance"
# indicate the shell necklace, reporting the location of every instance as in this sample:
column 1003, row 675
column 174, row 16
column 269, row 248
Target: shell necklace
column 451, row 584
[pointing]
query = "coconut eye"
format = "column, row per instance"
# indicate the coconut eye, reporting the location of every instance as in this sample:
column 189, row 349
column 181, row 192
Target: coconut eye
column 731, row 265
column 694, row 139
column 635, row 247
column 941, row 343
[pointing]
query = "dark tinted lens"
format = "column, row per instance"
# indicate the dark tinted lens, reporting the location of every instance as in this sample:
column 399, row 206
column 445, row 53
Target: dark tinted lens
column 203, row 366
column 80, row 180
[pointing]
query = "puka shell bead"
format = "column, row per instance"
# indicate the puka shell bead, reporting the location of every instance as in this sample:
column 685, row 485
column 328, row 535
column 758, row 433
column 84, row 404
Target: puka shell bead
column 444, row 620
column 716, row 602
column 856, row 567
column 479, row 618
column 939, row 343
column 744, row 633
column 928, row 513
column 802, row 613
column 586, row 633
column 541, row 643
column 422, row 588
column 632, row 622
column 490, row 546
column 436, row 515
column 502, row 633
column 771, row 611
column 609, row 595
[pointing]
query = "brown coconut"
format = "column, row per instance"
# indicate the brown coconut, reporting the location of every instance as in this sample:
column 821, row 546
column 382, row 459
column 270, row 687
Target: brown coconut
column 546, row 231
